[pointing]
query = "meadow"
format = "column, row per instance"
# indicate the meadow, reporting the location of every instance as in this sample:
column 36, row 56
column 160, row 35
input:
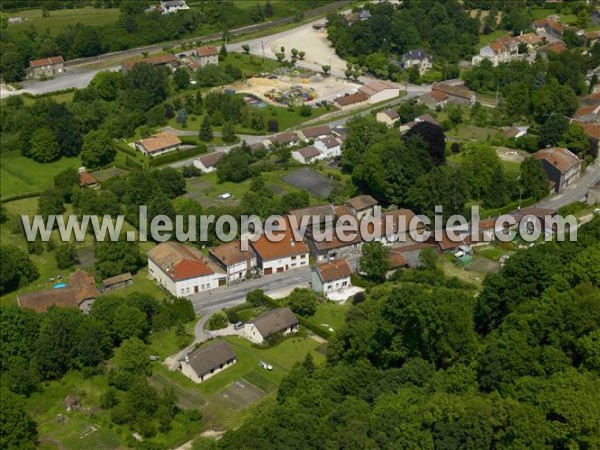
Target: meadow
column 61, row 18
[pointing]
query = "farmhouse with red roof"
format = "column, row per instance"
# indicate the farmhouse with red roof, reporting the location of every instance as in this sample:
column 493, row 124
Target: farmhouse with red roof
column 183, row 270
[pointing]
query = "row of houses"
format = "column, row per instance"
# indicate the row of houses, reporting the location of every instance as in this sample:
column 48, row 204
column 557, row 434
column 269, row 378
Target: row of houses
column 507, row 47
column 320, row 142
column 198, row 58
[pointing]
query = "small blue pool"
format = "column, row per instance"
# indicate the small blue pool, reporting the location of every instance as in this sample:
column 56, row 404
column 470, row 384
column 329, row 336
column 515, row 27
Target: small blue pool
column 59, row 285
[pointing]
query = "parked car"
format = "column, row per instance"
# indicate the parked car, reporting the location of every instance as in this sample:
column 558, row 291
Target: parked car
column 238, row 325
column 265, row 366
column 154, row 357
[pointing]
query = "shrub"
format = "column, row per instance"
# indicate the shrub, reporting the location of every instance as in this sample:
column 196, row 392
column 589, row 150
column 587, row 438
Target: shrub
column 217, row 321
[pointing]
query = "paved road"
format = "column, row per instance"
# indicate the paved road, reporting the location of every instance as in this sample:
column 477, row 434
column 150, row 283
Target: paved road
column 576, row 191
column 205, row 303
column 79, row 76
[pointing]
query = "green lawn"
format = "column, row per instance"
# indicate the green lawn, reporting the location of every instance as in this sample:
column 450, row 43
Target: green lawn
column 489, row 38
column 330, row 315
column 19, row 174
column 220, row 412
column 59, row 19
column 541, row 13
column 249, row 64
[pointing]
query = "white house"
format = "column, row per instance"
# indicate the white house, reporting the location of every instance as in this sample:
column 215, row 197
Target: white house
column 205, row 362
column 183, row 270
column 207, row 55
column 277, row 257
column 46, row 67
column 329, row 146
column 158, row 144
column 307, row 155
column 237, row 263
column 279, row 320
column 331, row 276
column 380, row 90
column 208, row 163
column 171, row 6
column 417, row 58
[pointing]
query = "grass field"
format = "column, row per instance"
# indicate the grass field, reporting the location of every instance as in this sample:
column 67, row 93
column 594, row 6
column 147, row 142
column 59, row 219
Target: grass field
column 19, row 174
column 489, row 38
column 59, row 19
column 330, row 315
column 205, row 189
column 225, row 399
column 61, row 429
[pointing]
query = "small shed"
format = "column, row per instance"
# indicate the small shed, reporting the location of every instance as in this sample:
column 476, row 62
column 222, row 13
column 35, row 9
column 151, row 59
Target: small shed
column 117, row 282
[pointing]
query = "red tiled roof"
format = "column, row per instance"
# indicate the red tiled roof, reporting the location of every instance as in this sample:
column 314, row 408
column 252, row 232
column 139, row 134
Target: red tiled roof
column 207, row 51
column 46, row 61
column 309, row 152
column 86, row 179
column 80, row 287
column 179, row 261
column 592, row 130
column 288, row 246
column 438, row 96
column 334, row 270
column 352, row 99
column 160, row 141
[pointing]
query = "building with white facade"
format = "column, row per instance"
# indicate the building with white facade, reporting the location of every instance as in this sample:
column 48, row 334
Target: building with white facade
column 171, row 6
column 279, row 320
column 183, row 270
column 331, row 276
column 207, row 55
column 158, row 144
column 417, row 58
column 236, row 263
column 208, row 163
column 329, row 146
column 203, row 363
column 276, row 257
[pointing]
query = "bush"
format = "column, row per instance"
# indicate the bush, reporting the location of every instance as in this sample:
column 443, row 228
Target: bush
column 65, row 256
column 217, row 321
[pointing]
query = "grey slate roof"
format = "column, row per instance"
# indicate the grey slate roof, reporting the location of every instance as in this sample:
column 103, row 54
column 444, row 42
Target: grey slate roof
column 274, row 321
column 211, row 357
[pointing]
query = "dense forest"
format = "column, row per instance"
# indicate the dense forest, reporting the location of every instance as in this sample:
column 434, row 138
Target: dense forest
column 422, row 366
column 442, row 28
column 36, row 348
column 135, row 28
column 413, row 171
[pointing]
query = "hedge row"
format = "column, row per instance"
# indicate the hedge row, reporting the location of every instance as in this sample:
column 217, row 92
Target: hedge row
column 484, row 213
column 131, row 164
column 20, row 196
column 177, row 156
column 122, row 146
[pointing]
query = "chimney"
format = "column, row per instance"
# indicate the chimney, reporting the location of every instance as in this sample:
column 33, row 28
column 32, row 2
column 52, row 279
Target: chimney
column 292, row 242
